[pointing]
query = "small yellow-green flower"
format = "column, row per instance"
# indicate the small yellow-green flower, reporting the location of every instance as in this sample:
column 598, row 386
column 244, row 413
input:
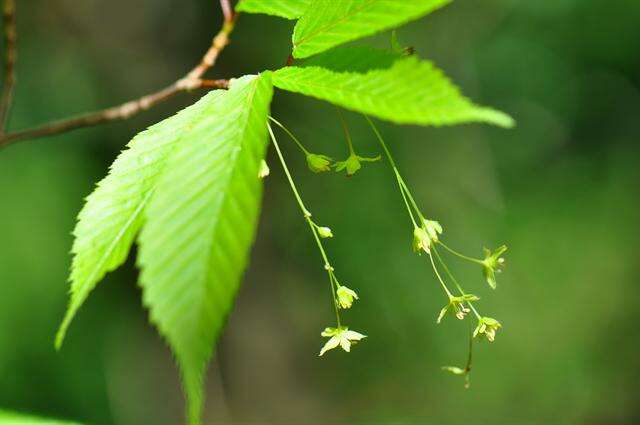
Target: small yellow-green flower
column 346, row 296
column 433, row 229
column 487, row 327
column 324, row 232
column 264, row 169
column 353, row 163
column 342, row 337
column 421, row 240
column 318, row 163
column 493, row 263
column 456, row 306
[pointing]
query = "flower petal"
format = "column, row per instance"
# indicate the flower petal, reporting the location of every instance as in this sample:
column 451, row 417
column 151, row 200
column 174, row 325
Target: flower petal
column 330, row 345
column 345, row 343
column 353, row 335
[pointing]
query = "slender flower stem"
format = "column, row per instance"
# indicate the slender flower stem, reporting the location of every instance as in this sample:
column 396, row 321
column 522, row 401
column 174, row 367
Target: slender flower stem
column 312, row 225
column 346, row 132
column 467, row 368
column 413, row 202
column 456, row 253
column 304, row 209
column 329, row 270
column 454, row 280
column 435, row 269
column 401, row 184
column 295, row 139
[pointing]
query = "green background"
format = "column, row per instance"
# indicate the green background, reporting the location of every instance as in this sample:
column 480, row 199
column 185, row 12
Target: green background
column 561, row 189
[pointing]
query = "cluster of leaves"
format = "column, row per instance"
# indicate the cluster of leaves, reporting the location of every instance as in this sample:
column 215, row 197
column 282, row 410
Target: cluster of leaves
column 188, row 191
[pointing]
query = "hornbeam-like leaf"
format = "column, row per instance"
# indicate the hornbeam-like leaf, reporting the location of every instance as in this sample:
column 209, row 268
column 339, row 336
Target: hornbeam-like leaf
column 358, row 59
column 200, row 224
column 289, row 9
column 328, row 23
column 14, row 418
column 112, row 215
column 411, row 91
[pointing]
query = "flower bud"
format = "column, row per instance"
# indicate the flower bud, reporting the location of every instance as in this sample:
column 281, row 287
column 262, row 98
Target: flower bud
column 325, row 232
column 346, row 296
column 318, row 163
column 264, row 169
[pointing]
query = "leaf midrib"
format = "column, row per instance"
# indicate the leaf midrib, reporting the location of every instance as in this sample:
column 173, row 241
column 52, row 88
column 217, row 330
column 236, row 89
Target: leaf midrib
column 345, row 17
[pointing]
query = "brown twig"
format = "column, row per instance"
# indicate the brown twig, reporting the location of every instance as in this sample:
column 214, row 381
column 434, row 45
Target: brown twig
column 191, row 81
column 227, row 11
column 10, row 37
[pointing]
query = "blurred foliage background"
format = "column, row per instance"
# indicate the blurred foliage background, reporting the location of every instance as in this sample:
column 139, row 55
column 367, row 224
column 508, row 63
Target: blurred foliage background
column 561, row 190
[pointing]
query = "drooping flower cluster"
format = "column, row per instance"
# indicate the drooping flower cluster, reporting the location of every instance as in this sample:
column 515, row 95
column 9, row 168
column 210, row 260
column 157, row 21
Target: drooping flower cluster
column 342, row 296
column 427, row 239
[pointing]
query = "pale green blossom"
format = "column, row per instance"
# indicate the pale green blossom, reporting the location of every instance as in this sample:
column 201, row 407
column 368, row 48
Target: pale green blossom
column 493, row 263
column 342, row 337
column 346, row 296
column 487, row 327
column 456, row 306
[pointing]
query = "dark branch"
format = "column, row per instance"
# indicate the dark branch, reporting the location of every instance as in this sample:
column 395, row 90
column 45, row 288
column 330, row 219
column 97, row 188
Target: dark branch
column 191, row 81
column 10, row 35
column 115, row 113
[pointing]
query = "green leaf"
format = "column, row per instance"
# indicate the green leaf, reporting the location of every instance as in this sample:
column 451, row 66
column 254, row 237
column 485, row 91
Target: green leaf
column 328, row 23
column 14, row 418
column 411, row 91
column 358, row 59
column 289, row 9
column 200, row 224
column 113, row 213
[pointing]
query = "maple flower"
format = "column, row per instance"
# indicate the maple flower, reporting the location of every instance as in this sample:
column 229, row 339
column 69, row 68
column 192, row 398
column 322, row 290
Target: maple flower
column 340, row 336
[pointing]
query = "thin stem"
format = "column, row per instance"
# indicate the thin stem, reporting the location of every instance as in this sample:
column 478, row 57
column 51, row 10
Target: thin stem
column 328, row 268
column 192, row 80
column 454, row 280
column 435, row 269
column 470, row 357
column 312, row 225
column 413, row 202
column 456, row 253
column 467, row 368
column 404, row 198
column 10, row 53
column 403, row 186
column 227, row 10
column 346, row 132
column 295, row 139
column 304, row 209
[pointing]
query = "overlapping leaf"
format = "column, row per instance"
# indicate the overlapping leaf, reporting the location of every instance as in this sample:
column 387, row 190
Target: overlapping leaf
column 14, row 418
column 358, row 59
column 289, row 9
column 113, row 213
column 410, row 91
column 328, row 23
column 200, row 224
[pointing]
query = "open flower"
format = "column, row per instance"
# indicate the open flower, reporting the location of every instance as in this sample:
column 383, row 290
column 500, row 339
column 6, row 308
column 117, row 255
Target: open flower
column 341, row 336
column 353, row 163
column 433, row 229
column 346, row 296
column 493, row 263
column 264, row 169
column 325, row 232
column 487, row 327
column 456, row 306
column 318, row 163
column 421, row 240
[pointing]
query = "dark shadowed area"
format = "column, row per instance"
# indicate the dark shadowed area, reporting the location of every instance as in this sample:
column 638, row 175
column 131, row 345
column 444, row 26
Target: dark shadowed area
column 561, row 190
